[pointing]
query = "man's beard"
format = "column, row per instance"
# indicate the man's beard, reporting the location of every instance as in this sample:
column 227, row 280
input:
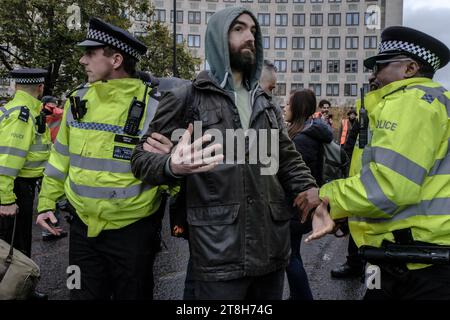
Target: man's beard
column 243, row 61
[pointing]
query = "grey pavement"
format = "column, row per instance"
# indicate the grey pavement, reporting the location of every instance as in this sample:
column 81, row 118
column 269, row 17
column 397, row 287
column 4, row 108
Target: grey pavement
column 318, row 257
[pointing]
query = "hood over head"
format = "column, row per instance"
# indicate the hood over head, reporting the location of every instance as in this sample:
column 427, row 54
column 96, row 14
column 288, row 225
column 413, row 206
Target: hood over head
column 217, row 50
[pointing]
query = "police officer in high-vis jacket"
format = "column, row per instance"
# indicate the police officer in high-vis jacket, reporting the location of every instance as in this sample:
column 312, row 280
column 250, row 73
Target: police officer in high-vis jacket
column 114, row 230
column 24, row 149
column 400, row 197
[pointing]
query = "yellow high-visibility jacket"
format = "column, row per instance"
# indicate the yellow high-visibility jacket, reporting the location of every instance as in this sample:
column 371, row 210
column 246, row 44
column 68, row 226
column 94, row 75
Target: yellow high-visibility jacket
column 23, row 151
column 90, row 161
column 405, row 169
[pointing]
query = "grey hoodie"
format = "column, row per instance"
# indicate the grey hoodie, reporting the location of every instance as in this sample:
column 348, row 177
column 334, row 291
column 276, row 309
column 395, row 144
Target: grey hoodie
column 217, row 50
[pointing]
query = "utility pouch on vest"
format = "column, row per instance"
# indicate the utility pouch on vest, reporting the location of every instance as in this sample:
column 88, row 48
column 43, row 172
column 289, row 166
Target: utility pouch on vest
column 40, row 122
column 78, row 107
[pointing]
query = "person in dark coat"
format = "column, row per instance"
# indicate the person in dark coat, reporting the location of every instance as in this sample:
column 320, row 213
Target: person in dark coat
column 308, row 135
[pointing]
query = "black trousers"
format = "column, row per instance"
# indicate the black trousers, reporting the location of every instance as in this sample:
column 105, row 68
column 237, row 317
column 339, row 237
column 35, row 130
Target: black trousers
column 117, row 264
column 353, row 259
column 24, row 189
column 265, row 287
column 431, row 283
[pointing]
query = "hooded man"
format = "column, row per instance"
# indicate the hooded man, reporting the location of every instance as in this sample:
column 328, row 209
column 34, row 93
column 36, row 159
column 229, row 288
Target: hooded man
column 238, row 218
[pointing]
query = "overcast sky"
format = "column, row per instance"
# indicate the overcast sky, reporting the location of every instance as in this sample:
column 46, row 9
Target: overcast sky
column 432, row 17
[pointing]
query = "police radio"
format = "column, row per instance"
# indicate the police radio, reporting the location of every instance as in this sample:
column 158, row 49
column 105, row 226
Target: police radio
column 78, row 107
column 135, row 114
column 363, row 124
column 40, row 122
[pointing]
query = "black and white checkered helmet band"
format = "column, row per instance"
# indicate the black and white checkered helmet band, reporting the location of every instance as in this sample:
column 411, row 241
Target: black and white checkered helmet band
column 424, row 54
column 29, row 80
column 105, row 38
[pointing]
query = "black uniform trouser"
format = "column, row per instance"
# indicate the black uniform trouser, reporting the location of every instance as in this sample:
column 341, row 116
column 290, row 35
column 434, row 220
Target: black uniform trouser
column 24, row 189
column 353, row 258
column 117, row 264
column 431, row 283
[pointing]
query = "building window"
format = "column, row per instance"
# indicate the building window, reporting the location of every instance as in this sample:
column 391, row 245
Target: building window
column 264, row 19
column 298, row 43
column 296, row 86
column 316, row 19
column 264, row 1
column 334, row 1
column 179, row 38
column 266, row 42
column 370, row 42
column 297, row 66
column 333, row 66
column 281, row 1
column 352, row 19
column 316, row 88
column 334, row 19
column 351, row 66
column 332, row 89
column 350, row 90
column 298, row 19
column 159, row 15
column 316, row 1
column 179, row 16
column 194, row 17
column 298, row 1
column 280, row 90
column 371, row 18
column 315, row 66
column 246, row 1
column 281, row 19
column 280, row 42
column 351, row 42
column 194, row 40
column 281, row 65
column 315, row 43
column 334, row 43
column 208, row 15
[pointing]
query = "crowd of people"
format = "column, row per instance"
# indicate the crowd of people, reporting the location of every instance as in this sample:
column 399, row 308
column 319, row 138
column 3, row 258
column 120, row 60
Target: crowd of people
column 120, row 153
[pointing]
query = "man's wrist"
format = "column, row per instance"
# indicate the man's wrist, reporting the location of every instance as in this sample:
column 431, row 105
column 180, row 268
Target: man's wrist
column 168, row 171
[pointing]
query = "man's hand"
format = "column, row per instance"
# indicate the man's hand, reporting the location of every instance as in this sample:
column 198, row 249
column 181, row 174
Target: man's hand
column 307, row 201
column 8, row 211
column 193, row 158
column 46, row 221
column 322, row 223
column 157, row 143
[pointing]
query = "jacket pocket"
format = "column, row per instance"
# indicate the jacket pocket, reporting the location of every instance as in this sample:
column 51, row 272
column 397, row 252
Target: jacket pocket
column 214, row 235
column 210, row 117
column 279, row 239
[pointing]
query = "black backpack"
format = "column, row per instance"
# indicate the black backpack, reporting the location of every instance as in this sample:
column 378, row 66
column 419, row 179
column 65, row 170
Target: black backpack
column 335, row 162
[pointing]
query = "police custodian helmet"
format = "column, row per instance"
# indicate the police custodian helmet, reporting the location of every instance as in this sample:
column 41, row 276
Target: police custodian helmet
column 412, row 43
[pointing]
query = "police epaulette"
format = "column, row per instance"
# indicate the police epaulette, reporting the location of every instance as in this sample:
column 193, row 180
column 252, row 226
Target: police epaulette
column 396, row 90
column 77, row 88
column 24, row 114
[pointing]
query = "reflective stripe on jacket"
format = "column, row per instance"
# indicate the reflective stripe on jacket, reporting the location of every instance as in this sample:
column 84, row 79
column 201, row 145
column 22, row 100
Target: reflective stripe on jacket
column 90, row 163
column 405, row 169
column 23, row 151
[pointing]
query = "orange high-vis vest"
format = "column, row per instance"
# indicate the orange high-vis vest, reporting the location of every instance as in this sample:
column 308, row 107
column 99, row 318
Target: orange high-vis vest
column 344, row 131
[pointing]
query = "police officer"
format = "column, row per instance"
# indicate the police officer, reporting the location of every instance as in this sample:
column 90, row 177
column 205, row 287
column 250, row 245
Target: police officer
column 401, row 192
column 114, row 232
column 24, row 150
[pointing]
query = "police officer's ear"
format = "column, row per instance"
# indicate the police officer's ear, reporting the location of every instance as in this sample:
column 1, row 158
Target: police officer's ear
column 117, row 60
column 412, row 68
